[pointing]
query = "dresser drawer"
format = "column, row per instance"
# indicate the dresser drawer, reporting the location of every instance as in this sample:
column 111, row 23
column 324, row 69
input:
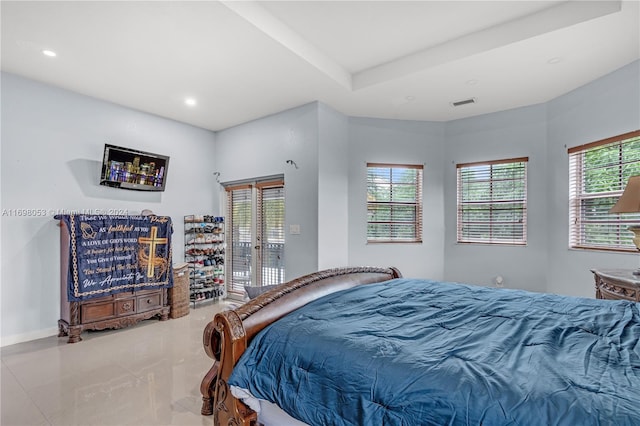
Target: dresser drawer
column 148, row 302
column 92, row 312
column 126, row 306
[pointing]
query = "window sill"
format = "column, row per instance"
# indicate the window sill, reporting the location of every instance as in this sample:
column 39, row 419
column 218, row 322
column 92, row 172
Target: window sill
column 394, row 242
column 603, row 250
column 465, row 243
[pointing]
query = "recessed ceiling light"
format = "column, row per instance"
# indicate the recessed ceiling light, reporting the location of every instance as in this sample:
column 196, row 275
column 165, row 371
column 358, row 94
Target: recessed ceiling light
column 554, row 60
column 190, row 101
column 410, row 98
column 49, row 53
column 472, row 82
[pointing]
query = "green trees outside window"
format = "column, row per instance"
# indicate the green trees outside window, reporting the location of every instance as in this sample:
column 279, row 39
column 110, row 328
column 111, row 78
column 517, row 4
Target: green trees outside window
column 492, row 202
column 598, row 173
column 394, row 203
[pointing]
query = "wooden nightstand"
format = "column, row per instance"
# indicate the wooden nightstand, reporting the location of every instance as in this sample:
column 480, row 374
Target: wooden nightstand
column 617, row 284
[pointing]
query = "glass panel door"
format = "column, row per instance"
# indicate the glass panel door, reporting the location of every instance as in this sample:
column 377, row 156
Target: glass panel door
column 270, row 239
column 240, row 223
column 256, row 236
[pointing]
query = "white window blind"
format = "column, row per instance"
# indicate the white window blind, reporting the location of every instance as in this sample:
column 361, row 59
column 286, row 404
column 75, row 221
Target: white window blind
column 492, row 202
column 598, row 173
column 239, row 223
column 271, row 208
column 394, row 203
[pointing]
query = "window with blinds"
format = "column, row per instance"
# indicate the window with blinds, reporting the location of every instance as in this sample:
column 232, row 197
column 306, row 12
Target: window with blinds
column 239, row 238
column 255, row 234
column 394, row 203
column 492, row 202
column 270, row 209
column 598, row 173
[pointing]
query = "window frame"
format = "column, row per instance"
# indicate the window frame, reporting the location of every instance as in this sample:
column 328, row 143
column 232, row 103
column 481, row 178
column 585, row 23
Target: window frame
column 416, row 203
column 578, row 233
column 460, row 204
column 252, row 192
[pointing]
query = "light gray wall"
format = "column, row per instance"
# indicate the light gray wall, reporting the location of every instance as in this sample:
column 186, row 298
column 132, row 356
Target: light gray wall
column 607, row 107
column 510, row 134
column 333, row 188
column 402, row 142
column 52, row 146
column 261, row 148
column 326, row 195
column 52, row 143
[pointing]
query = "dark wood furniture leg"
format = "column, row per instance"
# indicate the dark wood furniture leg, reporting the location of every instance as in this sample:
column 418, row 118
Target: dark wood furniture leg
column 207, row 389
column 211, row 343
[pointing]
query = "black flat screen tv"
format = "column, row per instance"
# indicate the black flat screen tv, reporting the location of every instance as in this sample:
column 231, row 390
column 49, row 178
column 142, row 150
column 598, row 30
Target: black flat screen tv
column 128, row 168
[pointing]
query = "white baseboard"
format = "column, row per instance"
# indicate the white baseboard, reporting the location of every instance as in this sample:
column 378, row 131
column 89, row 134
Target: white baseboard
column 25, row 337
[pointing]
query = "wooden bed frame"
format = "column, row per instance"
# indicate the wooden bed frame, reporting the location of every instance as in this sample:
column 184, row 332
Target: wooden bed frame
column 228, row 335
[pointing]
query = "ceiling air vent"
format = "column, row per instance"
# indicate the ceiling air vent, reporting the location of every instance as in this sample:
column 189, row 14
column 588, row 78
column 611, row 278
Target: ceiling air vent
column 463, row 102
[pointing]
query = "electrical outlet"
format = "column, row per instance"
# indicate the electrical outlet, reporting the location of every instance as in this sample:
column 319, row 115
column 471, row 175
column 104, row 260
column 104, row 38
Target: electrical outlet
column 499, row 281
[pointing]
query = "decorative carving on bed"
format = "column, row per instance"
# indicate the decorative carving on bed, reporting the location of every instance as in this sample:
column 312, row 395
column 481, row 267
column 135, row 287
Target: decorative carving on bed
column 227, row 336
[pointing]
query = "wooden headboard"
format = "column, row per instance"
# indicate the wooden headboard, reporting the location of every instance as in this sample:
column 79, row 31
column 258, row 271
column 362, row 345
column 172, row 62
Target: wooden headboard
column 228, row 335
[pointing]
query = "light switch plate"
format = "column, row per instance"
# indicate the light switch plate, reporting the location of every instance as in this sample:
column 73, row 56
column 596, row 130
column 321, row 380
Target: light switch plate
column 294, row 229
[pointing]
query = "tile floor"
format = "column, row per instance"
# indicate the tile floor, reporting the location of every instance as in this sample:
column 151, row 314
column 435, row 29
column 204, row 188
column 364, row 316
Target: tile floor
column 148, row 374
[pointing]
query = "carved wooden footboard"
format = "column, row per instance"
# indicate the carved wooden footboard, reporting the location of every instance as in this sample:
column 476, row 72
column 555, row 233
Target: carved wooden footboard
column 227, row 336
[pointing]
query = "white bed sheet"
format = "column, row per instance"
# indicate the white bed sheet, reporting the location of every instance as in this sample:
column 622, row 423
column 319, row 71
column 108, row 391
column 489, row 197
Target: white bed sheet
column 269, row 413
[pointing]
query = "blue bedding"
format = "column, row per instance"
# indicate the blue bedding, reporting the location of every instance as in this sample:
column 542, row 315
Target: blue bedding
column 417, row 352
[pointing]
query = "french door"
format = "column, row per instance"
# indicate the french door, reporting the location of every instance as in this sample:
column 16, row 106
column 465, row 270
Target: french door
column 255, row 235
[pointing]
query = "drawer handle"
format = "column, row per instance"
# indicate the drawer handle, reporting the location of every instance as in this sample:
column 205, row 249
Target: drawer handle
column 149, row 301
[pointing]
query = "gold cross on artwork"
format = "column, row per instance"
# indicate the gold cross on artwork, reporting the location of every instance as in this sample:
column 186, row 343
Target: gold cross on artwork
column 153, row 241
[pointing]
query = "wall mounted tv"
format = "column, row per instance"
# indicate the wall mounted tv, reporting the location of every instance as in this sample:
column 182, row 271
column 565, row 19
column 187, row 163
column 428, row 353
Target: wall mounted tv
column 132, row 169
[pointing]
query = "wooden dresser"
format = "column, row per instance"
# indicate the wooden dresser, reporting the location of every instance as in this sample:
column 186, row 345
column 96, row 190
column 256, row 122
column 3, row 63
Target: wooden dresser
column 114, row 311
column 617, row 284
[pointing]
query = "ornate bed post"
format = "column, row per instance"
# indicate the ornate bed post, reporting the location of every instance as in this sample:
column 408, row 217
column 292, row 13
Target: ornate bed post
column 211, row 342
column 233, row 342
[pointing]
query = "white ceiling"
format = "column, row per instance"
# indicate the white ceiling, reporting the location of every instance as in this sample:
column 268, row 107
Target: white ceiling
column 243, row 60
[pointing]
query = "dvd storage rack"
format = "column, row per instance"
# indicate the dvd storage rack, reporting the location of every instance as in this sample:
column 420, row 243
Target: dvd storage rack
column 204, row 252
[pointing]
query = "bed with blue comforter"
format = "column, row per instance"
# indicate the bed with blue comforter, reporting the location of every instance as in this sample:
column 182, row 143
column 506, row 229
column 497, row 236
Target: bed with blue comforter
column 419, row 352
